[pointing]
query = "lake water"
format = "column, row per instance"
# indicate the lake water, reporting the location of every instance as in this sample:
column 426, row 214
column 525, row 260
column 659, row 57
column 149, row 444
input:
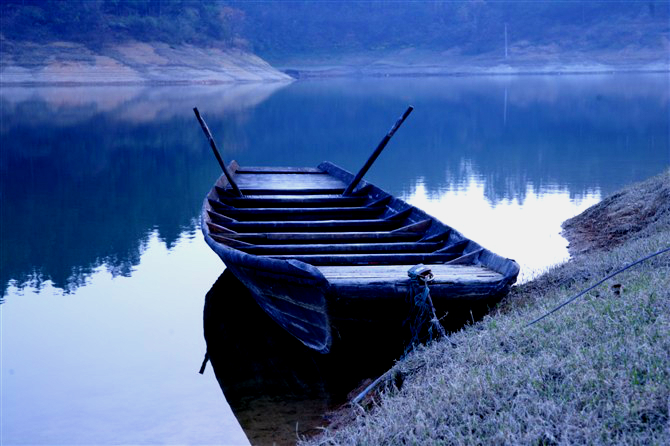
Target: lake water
column 104, row 271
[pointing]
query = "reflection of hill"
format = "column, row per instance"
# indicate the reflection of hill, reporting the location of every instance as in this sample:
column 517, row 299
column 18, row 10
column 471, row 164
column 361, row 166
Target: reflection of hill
column 81, row 187
column 136, row 103
column 579, row 132
column 87, row 174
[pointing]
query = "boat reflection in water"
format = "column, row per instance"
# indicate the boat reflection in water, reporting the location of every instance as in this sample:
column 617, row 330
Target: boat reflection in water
column 277, row 387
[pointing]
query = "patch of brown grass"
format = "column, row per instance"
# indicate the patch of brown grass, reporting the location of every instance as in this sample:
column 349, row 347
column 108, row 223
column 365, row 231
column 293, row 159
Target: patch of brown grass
column 636, row 211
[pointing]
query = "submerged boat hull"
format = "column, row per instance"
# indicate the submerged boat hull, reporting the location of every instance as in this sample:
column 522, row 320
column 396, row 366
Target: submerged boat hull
column 317, row 261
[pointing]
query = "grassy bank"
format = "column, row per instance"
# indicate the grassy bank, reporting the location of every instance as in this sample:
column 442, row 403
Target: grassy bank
column 595, row 372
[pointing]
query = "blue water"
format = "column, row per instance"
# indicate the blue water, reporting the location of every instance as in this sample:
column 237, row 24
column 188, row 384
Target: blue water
column 104, row 270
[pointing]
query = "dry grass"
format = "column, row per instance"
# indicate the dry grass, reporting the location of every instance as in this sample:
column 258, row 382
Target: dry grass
column 635, row 212
column 596, row 372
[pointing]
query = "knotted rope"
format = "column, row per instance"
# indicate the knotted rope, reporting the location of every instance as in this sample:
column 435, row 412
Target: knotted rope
column 422, row 304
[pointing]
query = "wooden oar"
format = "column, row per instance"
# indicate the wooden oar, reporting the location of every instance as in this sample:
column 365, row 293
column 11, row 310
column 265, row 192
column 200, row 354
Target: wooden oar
column 359, row 176
column 212, row 144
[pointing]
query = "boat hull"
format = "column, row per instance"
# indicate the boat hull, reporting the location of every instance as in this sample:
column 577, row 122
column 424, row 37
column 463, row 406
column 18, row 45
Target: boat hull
column 321, row 264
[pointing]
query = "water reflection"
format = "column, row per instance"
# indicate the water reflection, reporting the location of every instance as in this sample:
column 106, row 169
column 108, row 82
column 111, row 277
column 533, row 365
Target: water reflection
column 130, row 103
column 86, row 174
column 115, row 361
column 527, row 230
column 94, row 181
column 277, row 387
column 578, row 132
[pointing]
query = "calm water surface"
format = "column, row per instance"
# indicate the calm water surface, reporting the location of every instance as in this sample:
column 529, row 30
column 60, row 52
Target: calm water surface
column 104, row 272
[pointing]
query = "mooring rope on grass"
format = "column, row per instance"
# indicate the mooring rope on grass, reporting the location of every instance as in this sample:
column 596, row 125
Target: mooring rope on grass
column 581, row 293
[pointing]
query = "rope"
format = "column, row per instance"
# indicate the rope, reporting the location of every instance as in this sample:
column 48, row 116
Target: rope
column 422, row 303
column 573, row 298
column 421, row 276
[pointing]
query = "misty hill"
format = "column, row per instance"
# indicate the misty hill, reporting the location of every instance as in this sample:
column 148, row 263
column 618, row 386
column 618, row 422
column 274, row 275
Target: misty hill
column 449, row 35
column 130, row 62
column 124, row 42
column 363, row 36
column 281, row 29
column 103, row 22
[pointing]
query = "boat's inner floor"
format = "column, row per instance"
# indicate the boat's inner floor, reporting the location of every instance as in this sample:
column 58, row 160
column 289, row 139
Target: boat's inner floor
column 300, row 213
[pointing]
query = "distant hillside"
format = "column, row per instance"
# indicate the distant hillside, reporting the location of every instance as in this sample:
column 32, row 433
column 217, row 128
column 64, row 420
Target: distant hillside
column 130, row 62
column 362, row 37
column 103, row 22
column 280, row 29
column 125, row 42
column 457, row 36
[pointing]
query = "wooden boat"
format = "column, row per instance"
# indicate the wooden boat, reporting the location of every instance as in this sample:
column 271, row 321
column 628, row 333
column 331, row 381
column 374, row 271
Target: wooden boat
column 320, row 255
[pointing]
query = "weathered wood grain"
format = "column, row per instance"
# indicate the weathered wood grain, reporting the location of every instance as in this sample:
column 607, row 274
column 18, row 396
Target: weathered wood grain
column 287, row 181
column 398, row 274
column 264, row 169
column 287, row 238
column 336, row 248
column 295, row 191
column 298, row 201
column 324, row 213
column 316, row 226
column 402, row 258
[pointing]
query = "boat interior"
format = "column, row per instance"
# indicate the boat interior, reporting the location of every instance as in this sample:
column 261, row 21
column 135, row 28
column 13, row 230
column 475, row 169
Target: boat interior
column 302, row 214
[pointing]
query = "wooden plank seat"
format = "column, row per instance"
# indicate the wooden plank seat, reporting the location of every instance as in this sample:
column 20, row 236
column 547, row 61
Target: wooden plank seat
column 395, row 274
column 288, row 238
column 305, row 191
column 288, row 181
column 334, row 248
column 333, row 191
column 371, row 211
column 270, row 214
column 409, row 232
column 307, row 226
column 221, row 212
column 370, row 259
column 291, row 201
column 362, row 253
column 271, row 169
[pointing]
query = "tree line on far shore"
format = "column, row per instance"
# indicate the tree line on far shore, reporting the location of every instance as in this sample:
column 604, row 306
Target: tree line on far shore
column 290, row 27
column 99, row 22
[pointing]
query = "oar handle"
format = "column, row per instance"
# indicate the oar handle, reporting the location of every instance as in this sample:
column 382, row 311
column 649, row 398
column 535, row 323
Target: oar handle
column 359, row 176
column 212, row 144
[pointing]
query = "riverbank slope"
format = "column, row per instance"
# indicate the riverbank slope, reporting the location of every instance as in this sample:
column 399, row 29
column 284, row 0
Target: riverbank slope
column 595, row 372
column 129, row 63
